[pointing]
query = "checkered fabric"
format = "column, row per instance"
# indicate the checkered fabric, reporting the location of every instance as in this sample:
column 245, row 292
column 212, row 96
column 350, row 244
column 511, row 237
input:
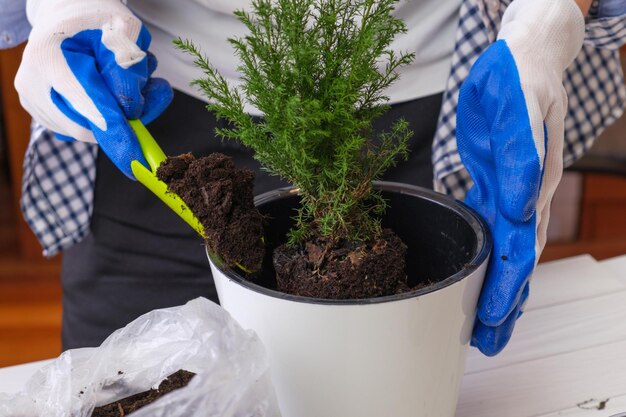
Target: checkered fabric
column 57, row 197
column 594, row 84
column 57, row 189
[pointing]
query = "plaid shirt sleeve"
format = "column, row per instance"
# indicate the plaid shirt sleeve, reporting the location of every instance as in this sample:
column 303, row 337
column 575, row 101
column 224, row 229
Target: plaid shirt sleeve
column 594, row 84
column 57, row 189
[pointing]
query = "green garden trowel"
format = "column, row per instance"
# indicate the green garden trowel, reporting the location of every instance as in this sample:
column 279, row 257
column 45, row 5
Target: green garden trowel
column 155, row 156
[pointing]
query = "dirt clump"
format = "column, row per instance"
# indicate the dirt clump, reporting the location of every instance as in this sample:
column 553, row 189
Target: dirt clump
column 346, row 270
column 127, row 405
column 221, row 196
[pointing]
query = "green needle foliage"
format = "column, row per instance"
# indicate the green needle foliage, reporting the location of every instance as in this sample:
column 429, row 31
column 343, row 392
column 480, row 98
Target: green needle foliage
column 317, row 70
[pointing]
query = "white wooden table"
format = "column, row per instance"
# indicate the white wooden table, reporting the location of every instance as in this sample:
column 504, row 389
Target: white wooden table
column 567, row 356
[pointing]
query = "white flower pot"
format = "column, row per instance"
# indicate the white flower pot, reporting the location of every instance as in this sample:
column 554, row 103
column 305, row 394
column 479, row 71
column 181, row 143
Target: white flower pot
column 396, row 356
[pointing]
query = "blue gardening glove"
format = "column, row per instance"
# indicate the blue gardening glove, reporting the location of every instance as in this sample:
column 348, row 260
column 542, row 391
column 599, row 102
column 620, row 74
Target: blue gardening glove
column 510, row 137
column 86, row 70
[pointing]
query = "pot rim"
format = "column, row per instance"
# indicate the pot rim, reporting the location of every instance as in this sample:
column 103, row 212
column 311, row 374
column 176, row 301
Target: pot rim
column 483, row 247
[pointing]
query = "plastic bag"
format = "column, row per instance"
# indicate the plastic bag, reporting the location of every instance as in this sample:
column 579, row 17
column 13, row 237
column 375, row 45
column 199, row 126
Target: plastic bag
column 231, row 365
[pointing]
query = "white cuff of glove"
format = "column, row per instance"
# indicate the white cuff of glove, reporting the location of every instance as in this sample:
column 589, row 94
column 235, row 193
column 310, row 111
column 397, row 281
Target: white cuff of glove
column 34, row 7
column 552, row 30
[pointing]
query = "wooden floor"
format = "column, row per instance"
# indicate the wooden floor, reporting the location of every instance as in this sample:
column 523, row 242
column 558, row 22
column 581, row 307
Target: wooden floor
column 30, row 297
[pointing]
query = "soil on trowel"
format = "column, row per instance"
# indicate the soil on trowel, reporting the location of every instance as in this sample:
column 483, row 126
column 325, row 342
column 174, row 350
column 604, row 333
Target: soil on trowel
column 346, row 270
column 127, row 405
column 221, row 196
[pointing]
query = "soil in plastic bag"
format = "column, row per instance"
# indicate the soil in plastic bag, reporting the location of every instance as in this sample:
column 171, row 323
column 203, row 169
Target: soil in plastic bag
column 129, row 404
column 232, row 371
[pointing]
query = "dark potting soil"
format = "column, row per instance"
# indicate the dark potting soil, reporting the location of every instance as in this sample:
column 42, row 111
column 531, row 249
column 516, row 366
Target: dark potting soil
column 344, row 271
column 221, row 196
column 129, row 404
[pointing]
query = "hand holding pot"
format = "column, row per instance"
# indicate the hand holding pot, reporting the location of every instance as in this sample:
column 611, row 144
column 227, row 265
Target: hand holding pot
column 86, row 69
column 510, row 137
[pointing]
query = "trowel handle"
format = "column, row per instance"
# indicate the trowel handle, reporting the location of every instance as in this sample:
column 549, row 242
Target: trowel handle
column 155, row 156
column 151, row 150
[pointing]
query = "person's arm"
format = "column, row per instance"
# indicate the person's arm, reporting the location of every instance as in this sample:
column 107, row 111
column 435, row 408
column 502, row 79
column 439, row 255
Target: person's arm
column 14, row 26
